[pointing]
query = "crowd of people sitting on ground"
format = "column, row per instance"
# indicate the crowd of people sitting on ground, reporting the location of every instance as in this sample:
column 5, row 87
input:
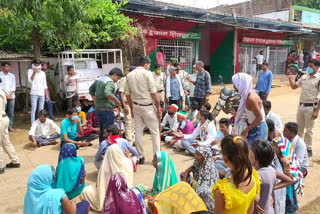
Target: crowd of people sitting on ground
column 250, row 164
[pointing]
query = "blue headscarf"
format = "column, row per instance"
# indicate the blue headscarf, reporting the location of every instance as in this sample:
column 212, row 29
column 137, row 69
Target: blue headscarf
column 40, row 197
column 70, row 171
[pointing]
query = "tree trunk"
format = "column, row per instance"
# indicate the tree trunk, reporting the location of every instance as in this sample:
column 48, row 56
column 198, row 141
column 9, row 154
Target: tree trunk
column 36, row 43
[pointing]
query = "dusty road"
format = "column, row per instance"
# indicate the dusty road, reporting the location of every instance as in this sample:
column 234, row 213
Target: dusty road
column 13, row 183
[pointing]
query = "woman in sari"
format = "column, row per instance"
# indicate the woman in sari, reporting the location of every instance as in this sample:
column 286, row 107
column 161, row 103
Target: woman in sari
column 165, row 172
column 70, row 171
column 113, row 162
column 41, row 198
column 205, row 175
column 119, row 199
column 178, row 199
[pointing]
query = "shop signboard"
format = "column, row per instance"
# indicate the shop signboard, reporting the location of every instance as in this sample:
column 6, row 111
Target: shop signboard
column 171, row 34
column 269, row 42
column 311, row 18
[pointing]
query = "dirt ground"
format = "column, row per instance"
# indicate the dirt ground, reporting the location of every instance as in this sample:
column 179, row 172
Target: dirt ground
column 13, row 183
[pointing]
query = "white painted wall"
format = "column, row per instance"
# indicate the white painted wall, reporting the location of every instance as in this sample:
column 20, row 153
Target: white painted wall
column 281, row 15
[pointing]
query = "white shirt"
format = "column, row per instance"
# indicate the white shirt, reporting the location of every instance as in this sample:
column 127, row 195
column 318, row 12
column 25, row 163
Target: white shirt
column 259, row 59
column 43, row 129
column 8, row 83
column 300, row 149
column 276, row 119
column 172, row 121
column 38, row 84
column 314, row 54
column 193, row 77
column 211, row 134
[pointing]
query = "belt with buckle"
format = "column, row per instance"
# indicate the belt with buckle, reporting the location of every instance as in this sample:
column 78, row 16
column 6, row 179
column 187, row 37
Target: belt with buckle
column 308, row 104
column 142, row 104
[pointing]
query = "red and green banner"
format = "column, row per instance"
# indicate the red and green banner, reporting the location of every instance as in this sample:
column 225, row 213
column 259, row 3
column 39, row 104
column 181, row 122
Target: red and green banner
column 171, row 34
column 261, row 41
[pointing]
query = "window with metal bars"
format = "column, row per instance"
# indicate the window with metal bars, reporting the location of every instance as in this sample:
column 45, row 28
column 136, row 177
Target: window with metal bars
column 183, row 50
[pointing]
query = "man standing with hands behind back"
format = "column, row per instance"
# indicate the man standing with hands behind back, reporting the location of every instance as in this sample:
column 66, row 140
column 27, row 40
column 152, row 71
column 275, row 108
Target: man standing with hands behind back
column 309, row 107
column 202, row 84
column 141, row 94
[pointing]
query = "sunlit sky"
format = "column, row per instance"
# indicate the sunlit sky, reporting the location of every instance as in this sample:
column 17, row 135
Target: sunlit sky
column 205, row 4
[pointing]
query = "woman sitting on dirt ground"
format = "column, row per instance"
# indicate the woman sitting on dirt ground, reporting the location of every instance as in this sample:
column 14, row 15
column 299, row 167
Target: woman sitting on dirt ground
column 205, row 175
column 42, row 198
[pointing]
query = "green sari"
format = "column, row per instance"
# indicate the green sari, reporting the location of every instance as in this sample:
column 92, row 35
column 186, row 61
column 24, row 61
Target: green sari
column 165, row 174
column 70, row 171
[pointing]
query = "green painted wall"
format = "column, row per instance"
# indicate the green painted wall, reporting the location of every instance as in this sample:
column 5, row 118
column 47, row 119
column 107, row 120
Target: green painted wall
column 221, row 60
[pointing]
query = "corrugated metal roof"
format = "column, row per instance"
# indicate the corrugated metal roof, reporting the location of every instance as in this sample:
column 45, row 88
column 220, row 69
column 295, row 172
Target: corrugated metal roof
column 156, row 8
column 14, row 55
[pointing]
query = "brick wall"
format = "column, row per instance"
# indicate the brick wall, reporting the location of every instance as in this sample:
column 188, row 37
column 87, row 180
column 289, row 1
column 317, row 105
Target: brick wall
column 254, row 7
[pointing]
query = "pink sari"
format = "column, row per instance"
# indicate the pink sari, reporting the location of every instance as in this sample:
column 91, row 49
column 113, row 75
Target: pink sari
column 119, row 199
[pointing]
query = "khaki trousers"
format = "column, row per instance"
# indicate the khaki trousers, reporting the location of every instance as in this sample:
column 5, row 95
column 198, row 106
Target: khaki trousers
column 304, row 120
column 5, row 144
column 146, row 116
column 161, row 96
column 129, row 127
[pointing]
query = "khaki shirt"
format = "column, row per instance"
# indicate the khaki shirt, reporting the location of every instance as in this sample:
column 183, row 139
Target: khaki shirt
column 3, row 102
column 140, row 85
column 159, row 81
column 122, row 86
column 310, row 88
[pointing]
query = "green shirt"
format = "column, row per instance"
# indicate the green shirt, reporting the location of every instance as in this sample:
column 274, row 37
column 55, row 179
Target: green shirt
column 101, row 89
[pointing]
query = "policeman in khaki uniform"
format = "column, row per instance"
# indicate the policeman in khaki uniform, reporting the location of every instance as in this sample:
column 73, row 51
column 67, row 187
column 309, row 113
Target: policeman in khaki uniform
column 141, row 94
column 129, row 125
column 159, row 78
column 5, row 143
column 308, row 108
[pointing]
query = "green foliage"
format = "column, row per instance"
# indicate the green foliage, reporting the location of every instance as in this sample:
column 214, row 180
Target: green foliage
column 61, row 23
column 107, row 23
column 308, row 3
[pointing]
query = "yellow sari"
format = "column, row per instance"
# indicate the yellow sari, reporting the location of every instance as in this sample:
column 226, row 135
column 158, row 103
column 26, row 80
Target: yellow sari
column 178, row 199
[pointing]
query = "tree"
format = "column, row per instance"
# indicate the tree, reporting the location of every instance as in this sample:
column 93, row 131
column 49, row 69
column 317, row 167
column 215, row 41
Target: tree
column 57, row 24
column 308, row 3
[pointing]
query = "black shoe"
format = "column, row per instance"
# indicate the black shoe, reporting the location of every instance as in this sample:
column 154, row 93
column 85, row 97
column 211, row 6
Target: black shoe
column 13, row 165
column 309, row 153
column 141, row 161
column 1, row 170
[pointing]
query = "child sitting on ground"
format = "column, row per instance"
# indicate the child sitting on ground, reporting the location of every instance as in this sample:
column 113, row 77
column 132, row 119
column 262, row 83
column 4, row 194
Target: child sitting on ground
column 192, row 114
column 264, row 155
column 237, row 193
column 93, row 122
column 87, row 129
column 224, row 130
column 207, row 106
column 112, row 137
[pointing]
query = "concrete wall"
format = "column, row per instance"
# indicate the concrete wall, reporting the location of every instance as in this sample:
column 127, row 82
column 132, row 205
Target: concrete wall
column 281, row 15
column 254, row 7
